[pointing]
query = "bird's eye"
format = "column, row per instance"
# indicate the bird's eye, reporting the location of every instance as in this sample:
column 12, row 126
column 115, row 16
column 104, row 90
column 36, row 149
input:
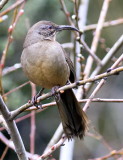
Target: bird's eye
column 50, row 27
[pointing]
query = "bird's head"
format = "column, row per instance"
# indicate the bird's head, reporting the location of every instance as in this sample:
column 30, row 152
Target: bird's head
column 46, row 30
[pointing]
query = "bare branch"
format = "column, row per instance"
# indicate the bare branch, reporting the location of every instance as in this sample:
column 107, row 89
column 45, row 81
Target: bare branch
column 11, row 69
column 53, row 148
column 111, row 154
column 72, row 85
column 81, row 41
column 105, row 24
column 58, row 133
column 15, row 89
column 10, row 144
column 97, row 36
column 14, row 133
column 109, row 55
column 18, row 3
column 33, row 125
column 80, row 101
column 2, row 3
column 101, row 83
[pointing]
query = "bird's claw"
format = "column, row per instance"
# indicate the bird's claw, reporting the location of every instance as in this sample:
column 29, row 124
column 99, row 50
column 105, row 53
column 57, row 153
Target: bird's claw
column 35, row 103
column 55, row 93
column 34, row 99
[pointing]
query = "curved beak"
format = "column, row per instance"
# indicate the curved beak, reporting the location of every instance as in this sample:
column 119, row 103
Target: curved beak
column 66, row 27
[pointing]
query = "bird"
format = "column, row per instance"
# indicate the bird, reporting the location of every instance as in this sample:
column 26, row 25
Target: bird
column 46, row 64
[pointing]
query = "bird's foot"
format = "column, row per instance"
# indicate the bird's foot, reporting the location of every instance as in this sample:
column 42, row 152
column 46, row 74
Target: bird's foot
column 55, row 93
column 34, row 99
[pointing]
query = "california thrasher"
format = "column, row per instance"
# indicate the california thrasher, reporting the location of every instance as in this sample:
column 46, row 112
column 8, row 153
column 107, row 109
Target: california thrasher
column 46, row 64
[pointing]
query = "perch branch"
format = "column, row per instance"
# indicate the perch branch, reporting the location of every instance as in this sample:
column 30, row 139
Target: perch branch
column 72, row 85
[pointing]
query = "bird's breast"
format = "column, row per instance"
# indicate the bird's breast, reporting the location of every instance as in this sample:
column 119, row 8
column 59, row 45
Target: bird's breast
column 45, row 65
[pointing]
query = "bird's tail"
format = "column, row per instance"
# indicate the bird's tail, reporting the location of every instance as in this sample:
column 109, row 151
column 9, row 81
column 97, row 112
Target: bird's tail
column 74, row 119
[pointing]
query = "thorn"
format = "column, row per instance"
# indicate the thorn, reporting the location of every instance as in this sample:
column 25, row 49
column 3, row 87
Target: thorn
column 109, row 70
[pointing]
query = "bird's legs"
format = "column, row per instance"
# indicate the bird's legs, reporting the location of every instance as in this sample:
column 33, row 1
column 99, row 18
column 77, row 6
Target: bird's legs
column 55, row 94
column 34, row 99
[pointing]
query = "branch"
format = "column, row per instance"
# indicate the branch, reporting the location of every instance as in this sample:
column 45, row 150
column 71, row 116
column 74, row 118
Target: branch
column 91, row 53
column 105, row 24
column 72, row 85
column 102, row 82
column 53, row 148
column 18, row 3
column 11, row 69
column 57, row 135
column 32, row 125
column 15, row 89
column 10, row 144
column 80, row 101
column 111, row 154
column 2, row 3
column 81, row 41
column 14, row 133
column 66, row 12
column 107, row 58
column 15, row 19
column 97, row 36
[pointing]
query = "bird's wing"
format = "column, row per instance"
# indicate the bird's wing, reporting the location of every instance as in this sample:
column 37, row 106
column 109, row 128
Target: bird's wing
column 70, row 64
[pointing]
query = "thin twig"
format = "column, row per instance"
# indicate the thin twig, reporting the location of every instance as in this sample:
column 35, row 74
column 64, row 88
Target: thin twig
column 2, row 3
column 4, row 153
column 111, row 154
column 15, row 19
column 11, row 69
column 56, row 137
column 53, row 148
column 93, row 95
column 10, row 144
column 76, row 35
column 15, row 89
column 101, row 83
column 99, row 137
column 32, row 125
column 18, row 3
column 80, row 101
column 105, row 24
column 66, row 12
column 118, row 44
column 98, row 61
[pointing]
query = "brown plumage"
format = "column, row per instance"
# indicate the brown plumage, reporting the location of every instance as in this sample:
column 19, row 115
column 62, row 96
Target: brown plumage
column 47, row 64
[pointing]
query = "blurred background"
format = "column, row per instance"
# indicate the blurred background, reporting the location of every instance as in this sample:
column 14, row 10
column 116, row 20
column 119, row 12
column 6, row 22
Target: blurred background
column 105, row 118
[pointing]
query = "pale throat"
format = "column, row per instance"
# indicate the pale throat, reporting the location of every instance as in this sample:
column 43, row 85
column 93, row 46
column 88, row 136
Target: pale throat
column 51, row 37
